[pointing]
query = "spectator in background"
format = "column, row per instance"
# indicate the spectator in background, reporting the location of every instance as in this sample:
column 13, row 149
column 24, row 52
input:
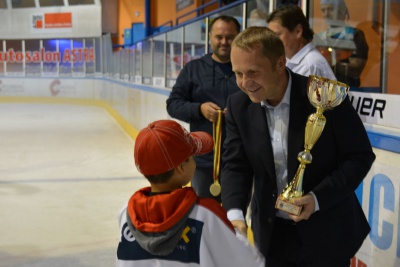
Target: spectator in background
column 264, row 4
column 258, row 17
column 292, row 26
column 201, row 89
column 343, row 46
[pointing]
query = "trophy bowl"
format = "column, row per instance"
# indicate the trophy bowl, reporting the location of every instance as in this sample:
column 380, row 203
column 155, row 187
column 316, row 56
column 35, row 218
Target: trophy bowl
column 326, row 93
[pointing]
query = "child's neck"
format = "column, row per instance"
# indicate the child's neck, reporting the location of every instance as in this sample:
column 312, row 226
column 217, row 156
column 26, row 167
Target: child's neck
column 159, row 188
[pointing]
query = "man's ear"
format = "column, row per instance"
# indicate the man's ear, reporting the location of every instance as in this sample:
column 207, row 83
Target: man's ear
column 282, row 63
column 298, row 30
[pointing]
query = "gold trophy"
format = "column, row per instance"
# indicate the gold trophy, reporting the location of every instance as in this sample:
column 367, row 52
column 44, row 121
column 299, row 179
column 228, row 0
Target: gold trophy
column 324, row 94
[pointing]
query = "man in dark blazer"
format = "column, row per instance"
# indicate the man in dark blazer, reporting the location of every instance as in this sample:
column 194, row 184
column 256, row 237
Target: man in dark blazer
column 265, row 126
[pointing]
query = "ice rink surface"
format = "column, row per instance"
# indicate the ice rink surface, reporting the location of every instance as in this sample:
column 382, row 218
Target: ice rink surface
column 65, row 173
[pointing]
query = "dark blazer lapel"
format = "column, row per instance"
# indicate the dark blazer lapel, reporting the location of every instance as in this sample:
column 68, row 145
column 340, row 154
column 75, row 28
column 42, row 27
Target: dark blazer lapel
column 300, row 109
column 259, row 127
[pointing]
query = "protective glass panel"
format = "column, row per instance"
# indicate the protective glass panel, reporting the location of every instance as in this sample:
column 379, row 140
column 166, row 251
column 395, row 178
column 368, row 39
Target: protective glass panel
column 15, row 57
column 194, row 43
column 125, row 64
column 80, row 2
column 98, row 55
column 45, row 3
column 138, row 62
column 174, row 56
column 3, row 3
column 349, row 36
column 23, row 4
column 132, row 64
column 2, row 61
column 147, row 62
column 158, row 60
column 89, row 56
column 50, row 51
column 393, row 46
column 67, row 57
column 32, row 58
column 78, row 57
column 257, row 12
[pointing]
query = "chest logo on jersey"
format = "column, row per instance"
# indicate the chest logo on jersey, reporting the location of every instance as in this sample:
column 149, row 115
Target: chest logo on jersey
column 187, row 249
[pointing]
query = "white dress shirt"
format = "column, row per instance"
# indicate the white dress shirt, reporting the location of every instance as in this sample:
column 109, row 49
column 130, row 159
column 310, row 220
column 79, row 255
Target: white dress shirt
column 278, row 124
column 309, row 61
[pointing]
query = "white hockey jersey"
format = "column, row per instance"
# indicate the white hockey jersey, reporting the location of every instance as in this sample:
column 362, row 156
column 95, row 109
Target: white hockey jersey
column 180, row 229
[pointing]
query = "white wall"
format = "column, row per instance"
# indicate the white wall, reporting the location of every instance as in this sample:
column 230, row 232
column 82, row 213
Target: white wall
column 18, row 23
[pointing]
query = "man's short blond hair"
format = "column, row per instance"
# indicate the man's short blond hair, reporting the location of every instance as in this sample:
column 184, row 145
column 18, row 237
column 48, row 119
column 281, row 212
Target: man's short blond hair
column 261, row 37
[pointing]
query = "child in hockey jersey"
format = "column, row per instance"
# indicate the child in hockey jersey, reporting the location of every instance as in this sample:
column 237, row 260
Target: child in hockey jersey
column 167, row 224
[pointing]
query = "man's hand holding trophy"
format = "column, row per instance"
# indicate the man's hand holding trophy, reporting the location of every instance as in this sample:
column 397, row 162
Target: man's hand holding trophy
column 324, row 94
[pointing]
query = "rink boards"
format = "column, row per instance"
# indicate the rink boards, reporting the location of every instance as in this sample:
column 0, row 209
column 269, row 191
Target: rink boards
column 135, row 105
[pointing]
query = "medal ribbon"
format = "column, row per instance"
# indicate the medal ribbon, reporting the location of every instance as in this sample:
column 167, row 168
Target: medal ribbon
column 217, row 136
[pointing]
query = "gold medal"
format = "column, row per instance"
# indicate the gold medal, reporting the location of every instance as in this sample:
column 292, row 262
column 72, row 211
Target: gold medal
column 215, row 188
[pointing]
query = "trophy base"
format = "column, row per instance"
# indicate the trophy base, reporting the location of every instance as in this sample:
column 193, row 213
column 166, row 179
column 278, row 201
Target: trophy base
column 287, row 206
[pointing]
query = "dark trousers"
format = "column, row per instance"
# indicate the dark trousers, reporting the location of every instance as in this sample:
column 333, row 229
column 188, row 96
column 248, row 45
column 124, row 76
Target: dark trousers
column 286, row 249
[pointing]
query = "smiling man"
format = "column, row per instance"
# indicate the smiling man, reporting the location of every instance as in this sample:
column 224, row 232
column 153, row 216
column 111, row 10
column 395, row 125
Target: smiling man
column 265, row 125
column 202, row 89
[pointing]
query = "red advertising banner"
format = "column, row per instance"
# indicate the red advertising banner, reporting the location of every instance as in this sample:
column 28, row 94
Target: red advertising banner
column 57, row 20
